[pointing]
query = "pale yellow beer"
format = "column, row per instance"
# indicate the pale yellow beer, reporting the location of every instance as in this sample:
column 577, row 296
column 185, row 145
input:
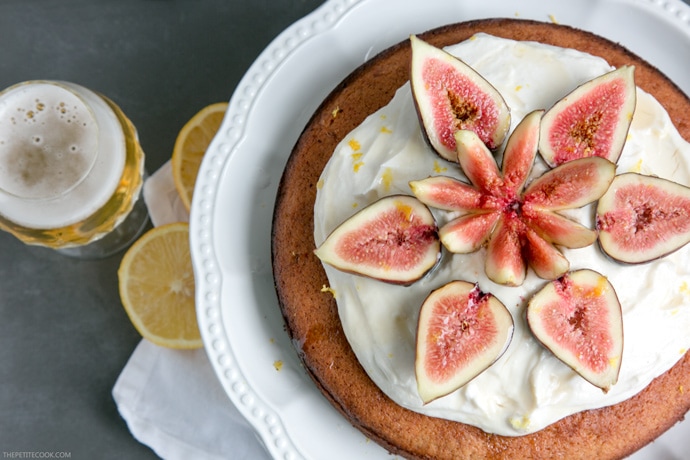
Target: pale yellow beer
column 71, row 167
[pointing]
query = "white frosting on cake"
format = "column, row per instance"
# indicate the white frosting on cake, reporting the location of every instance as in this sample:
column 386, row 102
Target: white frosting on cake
column 527, row 388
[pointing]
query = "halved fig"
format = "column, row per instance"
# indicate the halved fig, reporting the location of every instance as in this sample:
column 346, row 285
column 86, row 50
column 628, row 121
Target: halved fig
column 449, row 95
column 578, row 317
column 593, row 120
column 460, row 333
column 393, row 240
column 642, row 218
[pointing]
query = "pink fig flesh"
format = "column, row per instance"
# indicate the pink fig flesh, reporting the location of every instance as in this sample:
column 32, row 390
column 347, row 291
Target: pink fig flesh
column 394, row 240
column 593, row 120
column 642, row 218
column 578, row 318
column 461, row 331
column 449, row 95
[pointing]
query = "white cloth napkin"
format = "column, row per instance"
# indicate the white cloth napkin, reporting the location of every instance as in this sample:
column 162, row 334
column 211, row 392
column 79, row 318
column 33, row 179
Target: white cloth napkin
column 171, row 399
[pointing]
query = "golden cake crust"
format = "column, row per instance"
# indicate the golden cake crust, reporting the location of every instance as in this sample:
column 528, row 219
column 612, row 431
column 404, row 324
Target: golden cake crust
column 311, row 315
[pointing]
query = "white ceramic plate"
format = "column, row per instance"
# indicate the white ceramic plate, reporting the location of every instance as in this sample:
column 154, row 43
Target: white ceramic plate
column 232, row 210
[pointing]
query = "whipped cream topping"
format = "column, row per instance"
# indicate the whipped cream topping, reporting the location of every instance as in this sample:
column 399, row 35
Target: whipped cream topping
column 528, row 388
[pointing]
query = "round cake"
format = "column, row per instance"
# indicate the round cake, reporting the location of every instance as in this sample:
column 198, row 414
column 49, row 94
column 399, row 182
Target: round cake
column 311, row 312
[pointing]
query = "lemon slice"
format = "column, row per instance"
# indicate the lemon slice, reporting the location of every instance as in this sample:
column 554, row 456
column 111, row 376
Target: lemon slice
column 190, row 147
column 156, row 283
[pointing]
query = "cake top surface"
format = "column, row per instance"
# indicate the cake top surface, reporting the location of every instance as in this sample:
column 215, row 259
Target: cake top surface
column 527, row 388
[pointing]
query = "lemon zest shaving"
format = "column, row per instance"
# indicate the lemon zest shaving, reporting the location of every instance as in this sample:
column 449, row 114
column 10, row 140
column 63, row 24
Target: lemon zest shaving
column 438, row 168
column 387, row 178
column 325, row 288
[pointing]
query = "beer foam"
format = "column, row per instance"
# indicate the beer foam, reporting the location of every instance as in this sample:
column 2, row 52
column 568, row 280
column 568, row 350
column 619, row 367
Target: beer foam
column 48, row 140
column 62, row 153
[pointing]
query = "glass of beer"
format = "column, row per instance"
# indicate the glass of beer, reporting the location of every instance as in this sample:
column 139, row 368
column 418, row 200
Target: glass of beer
column 71, row 169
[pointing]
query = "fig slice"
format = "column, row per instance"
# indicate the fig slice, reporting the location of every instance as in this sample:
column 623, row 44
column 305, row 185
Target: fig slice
column 642, row 218
column 461, row 331
column 505, row 262
column 478, row 163
column 558, row 229
column 571, row 185
column 452, row 195
column 593, row 120
column 521, row 150
column 578, row 318
column 469, row 232
column 449, row 96
column 394, row 240
column 546, row 261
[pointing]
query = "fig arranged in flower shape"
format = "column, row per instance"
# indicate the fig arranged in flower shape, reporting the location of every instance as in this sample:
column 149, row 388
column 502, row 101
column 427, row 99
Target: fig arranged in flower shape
column 641, row 218
column 449, row 95
column 519, row 227
column 393, row 239
column 578, row 317
column 593, row 120
column 460, row 333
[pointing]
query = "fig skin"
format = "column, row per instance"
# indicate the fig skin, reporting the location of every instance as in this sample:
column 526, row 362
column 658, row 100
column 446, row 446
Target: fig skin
column 449, row 95
column 579, row 319
column 593, row 120
column 642, row 218
column 394, row 240
column 461, row 332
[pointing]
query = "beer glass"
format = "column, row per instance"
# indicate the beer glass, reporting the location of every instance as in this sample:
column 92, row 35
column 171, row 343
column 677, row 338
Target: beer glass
column 71, row 169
